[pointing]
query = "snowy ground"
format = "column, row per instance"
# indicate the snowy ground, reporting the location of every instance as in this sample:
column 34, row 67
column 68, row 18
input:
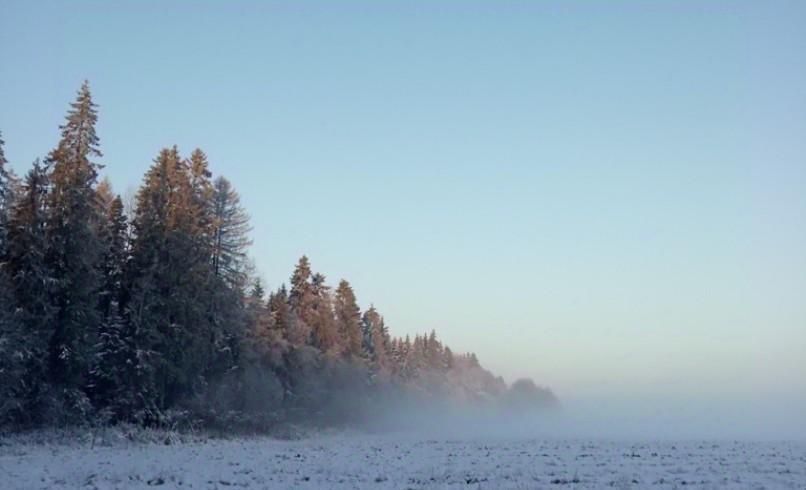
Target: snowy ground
column 399, row 462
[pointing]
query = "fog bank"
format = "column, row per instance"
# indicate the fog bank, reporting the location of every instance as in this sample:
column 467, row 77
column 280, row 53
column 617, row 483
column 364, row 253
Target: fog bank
column 622, row 419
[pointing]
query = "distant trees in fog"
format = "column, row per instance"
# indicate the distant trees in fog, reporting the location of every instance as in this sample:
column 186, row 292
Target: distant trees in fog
column 525, row 395
column 155, row 317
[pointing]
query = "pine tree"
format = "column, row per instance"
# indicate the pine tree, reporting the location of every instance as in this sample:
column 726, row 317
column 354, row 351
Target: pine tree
column 74, row 247
column 348, row 320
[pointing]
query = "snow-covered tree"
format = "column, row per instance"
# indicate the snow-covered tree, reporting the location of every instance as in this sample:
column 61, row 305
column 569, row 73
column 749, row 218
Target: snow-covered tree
column 12, row 338
column 8, row 186
column 301, row 300
column 323, row 322
column 111, row 369
column 142, row 319
column 376, row 341
column 31, row 282
column 164, row 281
column 348, row 321
column 74, row 250
column 196, row 320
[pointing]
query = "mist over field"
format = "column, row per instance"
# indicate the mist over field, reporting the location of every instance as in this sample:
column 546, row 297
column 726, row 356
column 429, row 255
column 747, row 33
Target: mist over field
column 404, row 244
column 624, row 419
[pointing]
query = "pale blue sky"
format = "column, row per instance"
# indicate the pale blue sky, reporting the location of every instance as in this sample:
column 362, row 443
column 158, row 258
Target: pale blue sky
column 609, row 198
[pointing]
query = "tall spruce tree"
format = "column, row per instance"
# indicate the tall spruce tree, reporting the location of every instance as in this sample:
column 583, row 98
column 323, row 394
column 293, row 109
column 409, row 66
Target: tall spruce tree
column 75, row 249
column 110, row 372
column 194, row 320
column 8, row 185
column 13, row 354
column 376, row 341
column 12, row 348
column 158, row 271
column 301, row 299
column 31, row 281
column 348, row 321
column 264, row 337
column 323, row 323
column 293, row 330
column 143, row 317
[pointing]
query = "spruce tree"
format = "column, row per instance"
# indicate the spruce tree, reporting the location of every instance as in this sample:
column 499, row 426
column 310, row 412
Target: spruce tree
column 31, row 281
column 323, row 323
column 110, row 372
column 295, row 331
column 26, row 254
column 348, row 320
column 264, row 337
column 219, row 296
column 301, row 299
column 147, row 308
column 433, row 351
column 3, row 160
column 376, row 341
column 115, row 257
column 196, row 322
column 165, row 309
column 12, row 339
column 447, row 358
column 13, row 353
column 75, row 249
column 8, row 185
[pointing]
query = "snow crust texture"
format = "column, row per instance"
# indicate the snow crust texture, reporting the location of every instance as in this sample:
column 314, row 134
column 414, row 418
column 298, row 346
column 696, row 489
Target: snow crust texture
column 354, row 461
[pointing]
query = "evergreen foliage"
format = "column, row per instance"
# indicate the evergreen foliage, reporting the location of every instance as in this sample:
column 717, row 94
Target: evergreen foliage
column 231, row 235
column 74, row 247
column 26, row 332
column 150, row 318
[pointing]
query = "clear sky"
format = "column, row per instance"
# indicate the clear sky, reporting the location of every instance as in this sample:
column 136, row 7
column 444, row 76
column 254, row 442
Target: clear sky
column 608, row 198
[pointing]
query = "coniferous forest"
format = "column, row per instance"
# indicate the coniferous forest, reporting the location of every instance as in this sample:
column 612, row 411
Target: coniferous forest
column 151, row 315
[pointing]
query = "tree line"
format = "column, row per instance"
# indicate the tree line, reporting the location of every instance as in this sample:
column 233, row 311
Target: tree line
column 154, row 316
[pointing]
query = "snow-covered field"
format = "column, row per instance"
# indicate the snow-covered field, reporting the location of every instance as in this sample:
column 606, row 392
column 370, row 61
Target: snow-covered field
column 400, row 462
